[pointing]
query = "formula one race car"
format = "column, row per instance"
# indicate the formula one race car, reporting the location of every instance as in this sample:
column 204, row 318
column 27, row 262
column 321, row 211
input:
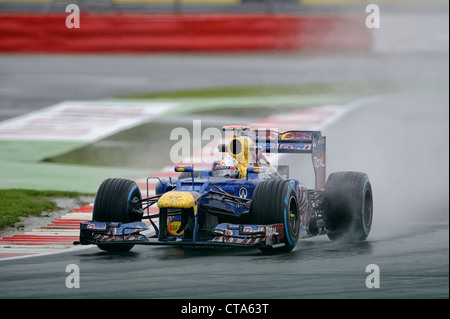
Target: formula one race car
column 241, row 201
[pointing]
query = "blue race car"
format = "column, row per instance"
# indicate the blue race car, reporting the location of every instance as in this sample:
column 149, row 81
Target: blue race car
column 242, row 200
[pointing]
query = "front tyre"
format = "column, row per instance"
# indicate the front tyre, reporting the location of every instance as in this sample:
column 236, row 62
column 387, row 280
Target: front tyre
column 348, row 206
column 275, row 202
column 112, row 204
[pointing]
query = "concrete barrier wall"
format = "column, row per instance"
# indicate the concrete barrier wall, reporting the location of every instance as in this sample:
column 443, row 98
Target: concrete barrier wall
column 141, row 33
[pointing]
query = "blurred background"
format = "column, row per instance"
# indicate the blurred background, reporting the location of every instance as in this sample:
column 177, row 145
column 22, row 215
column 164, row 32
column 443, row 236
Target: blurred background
column 170, row 6
column 143, row 26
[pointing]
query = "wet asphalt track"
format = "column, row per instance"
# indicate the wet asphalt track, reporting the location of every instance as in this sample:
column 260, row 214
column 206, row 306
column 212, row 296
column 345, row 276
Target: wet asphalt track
column 401, row 141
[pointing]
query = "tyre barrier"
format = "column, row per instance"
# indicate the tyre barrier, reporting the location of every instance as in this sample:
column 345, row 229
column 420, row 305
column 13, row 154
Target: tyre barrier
column 142, row 33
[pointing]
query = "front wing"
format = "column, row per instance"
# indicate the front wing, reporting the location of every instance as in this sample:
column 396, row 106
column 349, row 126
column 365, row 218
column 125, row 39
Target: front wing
column 242, row 235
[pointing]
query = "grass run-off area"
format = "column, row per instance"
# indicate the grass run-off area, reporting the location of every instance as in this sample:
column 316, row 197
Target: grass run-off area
column 271, row 91
column 16, row 203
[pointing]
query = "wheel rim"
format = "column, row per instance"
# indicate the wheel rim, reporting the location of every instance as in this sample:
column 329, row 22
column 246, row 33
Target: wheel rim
column 367, row 213
column 293, row 218
column 132, row 195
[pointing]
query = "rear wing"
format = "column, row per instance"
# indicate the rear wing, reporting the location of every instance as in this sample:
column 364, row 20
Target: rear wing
column 296, row 142
column 288, row 142
column 292, row 142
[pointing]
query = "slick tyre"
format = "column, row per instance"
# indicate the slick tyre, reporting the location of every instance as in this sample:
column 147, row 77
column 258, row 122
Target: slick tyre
column 348, row 206
column 111, row 204
column 275, row 202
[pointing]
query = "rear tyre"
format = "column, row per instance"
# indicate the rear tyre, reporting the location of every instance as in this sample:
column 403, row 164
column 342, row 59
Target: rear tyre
column 111, row 205
column 348, row 206
column 275, row 202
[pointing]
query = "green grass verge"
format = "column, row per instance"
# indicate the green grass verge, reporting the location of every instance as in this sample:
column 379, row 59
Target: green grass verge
column 16, row 203
column 270, row 91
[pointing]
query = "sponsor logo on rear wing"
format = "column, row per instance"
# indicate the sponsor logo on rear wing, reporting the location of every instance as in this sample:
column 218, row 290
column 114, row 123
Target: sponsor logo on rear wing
column 289, row 142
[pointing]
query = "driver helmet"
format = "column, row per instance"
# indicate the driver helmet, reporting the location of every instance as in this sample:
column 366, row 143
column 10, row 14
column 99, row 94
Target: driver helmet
column 226, row 167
